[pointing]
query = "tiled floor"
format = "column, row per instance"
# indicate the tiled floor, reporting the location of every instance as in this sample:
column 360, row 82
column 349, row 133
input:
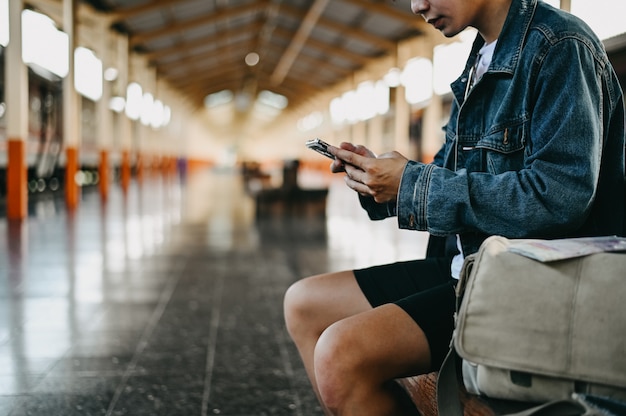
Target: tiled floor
column 168, row 300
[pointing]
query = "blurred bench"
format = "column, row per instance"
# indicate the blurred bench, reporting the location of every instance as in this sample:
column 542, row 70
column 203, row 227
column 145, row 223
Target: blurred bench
column 280, row 201
column 289, row 197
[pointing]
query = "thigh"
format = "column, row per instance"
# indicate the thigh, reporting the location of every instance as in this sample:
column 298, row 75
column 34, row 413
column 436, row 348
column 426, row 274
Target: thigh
column 433, row 311
column 424, row 290
column 383, row 343
column 326, row 298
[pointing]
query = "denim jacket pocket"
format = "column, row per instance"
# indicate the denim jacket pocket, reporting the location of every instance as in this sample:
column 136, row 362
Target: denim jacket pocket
column 503, row 148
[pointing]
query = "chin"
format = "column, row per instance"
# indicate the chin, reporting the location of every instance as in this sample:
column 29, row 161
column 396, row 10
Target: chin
column 450, row 32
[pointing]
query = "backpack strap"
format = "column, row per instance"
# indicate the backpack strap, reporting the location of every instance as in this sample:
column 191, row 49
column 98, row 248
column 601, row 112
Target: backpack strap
column 448, row 401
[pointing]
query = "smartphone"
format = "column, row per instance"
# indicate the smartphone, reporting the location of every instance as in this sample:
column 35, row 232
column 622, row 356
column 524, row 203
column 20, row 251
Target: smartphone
column 319, row 146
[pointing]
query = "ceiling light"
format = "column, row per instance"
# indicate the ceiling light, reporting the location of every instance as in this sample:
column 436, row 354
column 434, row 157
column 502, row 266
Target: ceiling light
column 218, row 98
column 134, row 100
column 4, row 22
column 88, row 73
column 392, row 77
column 110, row 74
column 43, row 44
column 252, row 59
column 117, row 104
column 277, row 101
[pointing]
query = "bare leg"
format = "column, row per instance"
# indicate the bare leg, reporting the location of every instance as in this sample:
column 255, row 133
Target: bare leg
column 312, row 304
column 350, row 351
column 357, row 358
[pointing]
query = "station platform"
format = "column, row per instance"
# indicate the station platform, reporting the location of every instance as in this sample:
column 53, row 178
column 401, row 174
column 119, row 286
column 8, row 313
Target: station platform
column 167, row 299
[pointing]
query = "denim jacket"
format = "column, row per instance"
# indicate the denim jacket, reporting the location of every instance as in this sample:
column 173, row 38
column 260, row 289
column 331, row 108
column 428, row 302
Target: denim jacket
column 535, row 149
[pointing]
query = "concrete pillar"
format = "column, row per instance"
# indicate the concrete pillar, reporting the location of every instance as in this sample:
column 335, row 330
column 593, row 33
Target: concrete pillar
column 145, row 141
column 125, row 122
column 432, row 117
column 431, row 128
column 359, row 133
column 401, row 108
column 71, row 111
column 105, row 119
column 401, row 122
column 375, row 134
column 16, row 95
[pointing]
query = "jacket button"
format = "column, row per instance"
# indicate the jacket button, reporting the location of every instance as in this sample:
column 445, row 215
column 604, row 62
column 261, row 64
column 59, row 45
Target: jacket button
column 412, row 221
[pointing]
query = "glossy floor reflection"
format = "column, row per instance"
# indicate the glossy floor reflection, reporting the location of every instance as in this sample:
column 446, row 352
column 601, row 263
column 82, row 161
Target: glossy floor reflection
column 168, row 300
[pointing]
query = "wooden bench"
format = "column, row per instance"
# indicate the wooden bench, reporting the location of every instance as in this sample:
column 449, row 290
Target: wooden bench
column 423, row 391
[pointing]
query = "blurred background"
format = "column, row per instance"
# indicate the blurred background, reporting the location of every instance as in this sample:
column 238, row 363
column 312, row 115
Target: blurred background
column 136, row 85
column 157, row 199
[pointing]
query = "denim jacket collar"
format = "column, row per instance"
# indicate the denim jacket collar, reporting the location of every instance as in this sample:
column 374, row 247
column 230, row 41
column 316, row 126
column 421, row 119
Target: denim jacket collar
column 510, row 42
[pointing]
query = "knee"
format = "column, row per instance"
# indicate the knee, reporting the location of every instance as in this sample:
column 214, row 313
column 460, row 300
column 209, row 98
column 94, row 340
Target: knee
column 336, row 364
column 296, row 307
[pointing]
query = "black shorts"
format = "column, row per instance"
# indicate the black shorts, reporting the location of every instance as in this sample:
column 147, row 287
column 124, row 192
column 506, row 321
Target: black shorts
column 424, row 289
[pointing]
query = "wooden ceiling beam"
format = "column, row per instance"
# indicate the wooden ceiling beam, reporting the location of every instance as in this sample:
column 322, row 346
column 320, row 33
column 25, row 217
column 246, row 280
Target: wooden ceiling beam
column 233, row 81
column 328, row 49
column 303, row 49
column 294, row 93
column 384, row 9
column 203, row 63
column 187, row 46
column 204, row 72
column 198, row 60
column 214, row 81
column 169, row 30
column 341, row 29
column 310, row 77
column 314, row 62
column 134, row 11
column 291, row 92
column 298, row 41
column 215, row 73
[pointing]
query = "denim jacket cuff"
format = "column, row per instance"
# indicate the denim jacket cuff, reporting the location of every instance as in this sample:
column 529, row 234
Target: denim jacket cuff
column 413, row 196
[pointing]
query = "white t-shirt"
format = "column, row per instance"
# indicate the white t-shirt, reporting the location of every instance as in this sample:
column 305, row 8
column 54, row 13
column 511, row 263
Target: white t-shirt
column 483, row 61
column 485, row 55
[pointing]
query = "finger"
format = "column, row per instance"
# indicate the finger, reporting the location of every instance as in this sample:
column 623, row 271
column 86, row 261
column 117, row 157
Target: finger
column 353, row 173
column 347, row 156
column 358, row 149
column 337, row 166
column 356, row 174
column 348, row 146
column 364, row 151
column 356, row 186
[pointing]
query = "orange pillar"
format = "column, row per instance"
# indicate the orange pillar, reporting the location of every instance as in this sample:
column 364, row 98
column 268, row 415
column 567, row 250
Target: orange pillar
column 71, row 110
column 16, row 97
column 165, row 165
column 103, row 173
column 139, row 167
column 17, row 196
column 125, row 168
column 149, row 165
column 72, row 190
column 105, row 116
column 174, row 167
